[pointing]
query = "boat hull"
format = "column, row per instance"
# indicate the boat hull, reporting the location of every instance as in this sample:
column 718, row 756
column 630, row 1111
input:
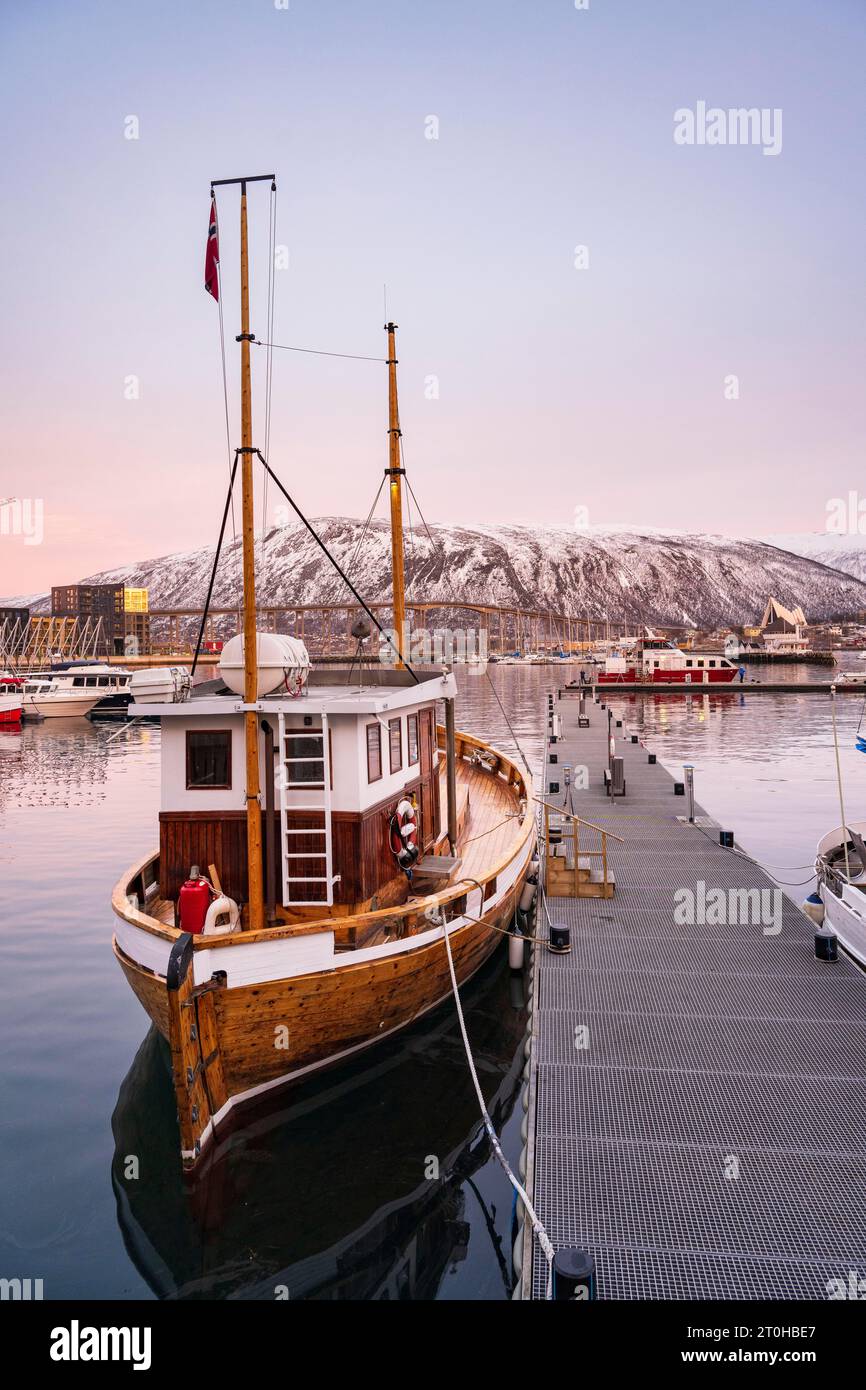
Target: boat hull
column 633, row 677
column 848, row 924
column 842, row 887
column 10, row 710
column 58, row 706
column 277, row 1032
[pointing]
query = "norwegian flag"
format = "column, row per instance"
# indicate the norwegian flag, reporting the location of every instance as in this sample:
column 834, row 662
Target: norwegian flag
column 212, row 254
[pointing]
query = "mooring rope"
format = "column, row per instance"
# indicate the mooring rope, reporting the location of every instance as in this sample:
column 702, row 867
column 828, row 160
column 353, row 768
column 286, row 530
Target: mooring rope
column 540, row 1232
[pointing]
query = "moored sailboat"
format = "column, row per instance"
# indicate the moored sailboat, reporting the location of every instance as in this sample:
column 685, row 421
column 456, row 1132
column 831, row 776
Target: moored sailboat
column 319, row 834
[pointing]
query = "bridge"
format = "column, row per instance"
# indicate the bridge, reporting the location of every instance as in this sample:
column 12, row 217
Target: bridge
column 325, row 628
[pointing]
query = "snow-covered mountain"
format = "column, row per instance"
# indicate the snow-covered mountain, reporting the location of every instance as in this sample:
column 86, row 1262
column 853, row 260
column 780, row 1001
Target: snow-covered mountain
column 615, row 572
column 846, row 553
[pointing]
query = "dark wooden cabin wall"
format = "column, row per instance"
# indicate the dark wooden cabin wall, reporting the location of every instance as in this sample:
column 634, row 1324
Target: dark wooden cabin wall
column 361, row 852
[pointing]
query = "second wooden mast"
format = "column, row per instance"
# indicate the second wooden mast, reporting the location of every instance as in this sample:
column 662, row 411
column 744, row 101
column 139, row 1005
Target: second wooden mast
column 395, row 491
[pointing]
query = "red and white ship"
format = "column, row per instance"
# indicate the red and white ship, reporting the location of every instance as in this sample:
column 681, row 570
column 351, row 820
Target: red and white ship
column 11, row 699
column 661, row 663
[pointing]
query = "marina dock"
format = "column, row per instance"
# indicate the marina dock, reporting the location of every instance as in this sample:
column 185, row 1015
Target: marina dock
column 696, row 1112
column 753, row 687
column 720, row 688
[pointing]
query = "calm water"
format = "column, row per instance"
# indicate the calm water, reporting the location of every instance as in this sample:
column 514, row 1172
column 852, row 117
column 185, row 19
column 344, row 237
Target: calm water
column 327, row 1192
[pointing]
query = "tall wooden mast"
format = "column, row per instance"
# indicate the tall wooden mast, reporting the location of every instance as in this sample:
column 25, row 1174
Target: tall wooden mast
column 395, row 473
column 251, row 676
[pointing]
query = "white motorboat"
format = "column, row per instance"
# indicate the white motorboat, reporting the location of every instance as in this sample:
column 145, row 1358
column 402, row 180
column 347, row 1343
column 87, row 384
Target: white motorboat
column 841, row 869
column 109, row 685
column 49, row 697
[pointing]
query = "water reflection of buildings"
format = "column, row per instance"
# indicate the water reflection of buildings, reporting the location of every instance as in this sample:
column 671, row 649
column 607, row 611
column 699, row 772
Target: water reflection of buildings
column 323, row 1194
column 61, row 762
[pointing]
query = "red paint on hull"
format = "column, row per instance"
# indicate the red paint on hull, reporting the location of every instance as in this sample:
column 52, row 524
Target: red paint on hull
column 631, row 677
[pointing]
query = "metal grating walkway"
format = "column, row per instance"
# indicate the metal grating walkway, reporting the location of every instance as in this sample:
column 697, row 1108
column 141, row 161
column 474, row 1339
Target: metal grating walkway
column 710, row 1140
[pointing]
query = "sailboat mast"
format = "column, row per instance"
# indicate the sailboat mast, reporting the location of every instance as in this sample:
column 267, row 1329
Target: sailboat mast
column 251, row 728
column 395, row 473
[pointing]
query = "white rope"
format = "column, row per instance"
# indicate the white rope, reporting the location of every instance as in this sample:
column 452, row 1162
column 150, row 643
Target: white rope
column 543, row 1238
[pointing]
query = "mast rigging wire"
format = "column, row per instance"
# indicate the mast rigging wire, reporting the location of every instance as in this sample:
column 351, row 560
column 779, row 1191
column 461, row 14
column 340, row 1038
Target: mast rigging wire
column 318, row 352
column 356, row 552
column 346, row 580
column 839, row 782
column 269, row 357
column 216, row 560
column 223, row 359
column 453, row 601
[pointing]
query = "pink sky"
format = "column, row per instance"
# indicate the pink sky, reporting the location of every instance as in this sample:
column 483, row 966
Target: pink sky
column 558, row 388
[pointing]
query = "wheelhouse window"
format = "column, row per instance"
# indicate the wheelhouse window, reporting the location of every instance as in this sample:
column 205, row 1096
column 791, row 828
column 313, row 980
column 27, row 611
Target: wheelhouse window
column 304, row 760
column 208, row 758
column 412, row 738
column 395, row 744
column 374, row 752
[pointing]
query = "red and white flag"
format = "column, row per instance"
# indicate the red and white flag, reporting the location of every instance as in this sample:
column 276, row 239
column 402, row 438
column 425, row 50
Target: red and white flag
column 212, row 254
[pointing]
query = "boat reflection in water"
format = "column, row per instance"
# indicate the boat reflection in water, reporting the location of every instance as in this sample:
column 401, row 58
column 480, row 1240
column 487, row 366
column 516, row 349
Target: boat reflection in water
column 324, row 1192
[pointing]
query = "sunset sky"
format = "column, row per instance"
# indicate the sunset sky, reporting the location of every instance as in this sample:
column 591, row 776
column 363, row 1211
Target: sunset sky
column 559, row 387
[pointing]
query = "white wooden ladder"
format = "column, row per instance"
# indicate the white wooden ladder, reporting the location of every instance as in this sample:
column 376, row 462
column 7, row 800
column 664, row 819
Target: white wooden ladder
column 310, row 774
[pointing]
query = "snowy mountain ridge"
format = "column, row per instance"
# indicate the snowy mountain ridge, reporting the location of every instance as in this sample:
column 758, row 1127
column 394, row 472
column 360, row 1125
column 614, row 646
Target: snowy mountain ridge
column 662, row 577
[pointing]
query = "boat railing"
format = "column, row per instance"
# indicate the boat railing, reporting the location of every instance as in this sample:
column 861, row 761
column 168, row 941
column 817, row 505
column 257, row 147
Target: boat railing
column 474, row 750
column 379, row 925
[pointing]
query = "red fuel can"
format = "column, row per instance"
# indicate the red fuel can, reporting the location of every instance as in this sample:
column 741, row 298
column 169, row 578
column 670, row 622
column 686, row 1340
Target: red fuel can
column 192, row 904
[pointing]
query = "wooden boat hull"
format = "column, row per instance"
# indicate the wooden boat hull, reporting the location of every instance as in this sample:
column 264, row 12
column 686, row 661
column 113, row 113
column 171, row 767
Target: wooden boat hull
column 257, row 1037
column 244, row 1013
column 195, row 1238
column 330, row 1014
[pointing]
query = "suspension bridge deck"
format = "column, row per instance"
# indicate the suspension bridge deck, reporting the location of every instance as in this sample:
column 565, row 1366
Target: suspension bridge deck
column 697, row 1102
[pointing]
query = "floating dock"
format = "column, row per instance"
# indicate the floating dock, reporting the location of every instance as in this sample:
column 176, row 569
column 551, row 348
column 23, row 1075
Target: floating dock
column 696, row 1100
column 718, row 688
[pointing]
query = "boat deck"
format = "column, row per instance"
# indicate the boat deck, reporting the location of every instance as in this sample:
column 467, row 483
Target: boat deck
column 710, row 1140
column 488, row 820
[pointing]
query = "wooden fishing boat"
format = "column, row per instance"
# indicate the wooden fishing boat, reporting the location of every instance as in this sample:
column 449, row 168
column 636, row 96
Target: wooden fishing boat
column 202, row 1236
column 344, row 830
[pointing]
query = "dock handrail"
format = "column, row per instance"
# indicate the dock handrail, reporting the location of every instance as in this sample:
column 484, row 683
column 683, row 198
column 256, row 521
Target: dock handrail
column 569, row 815
column 578, row 868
